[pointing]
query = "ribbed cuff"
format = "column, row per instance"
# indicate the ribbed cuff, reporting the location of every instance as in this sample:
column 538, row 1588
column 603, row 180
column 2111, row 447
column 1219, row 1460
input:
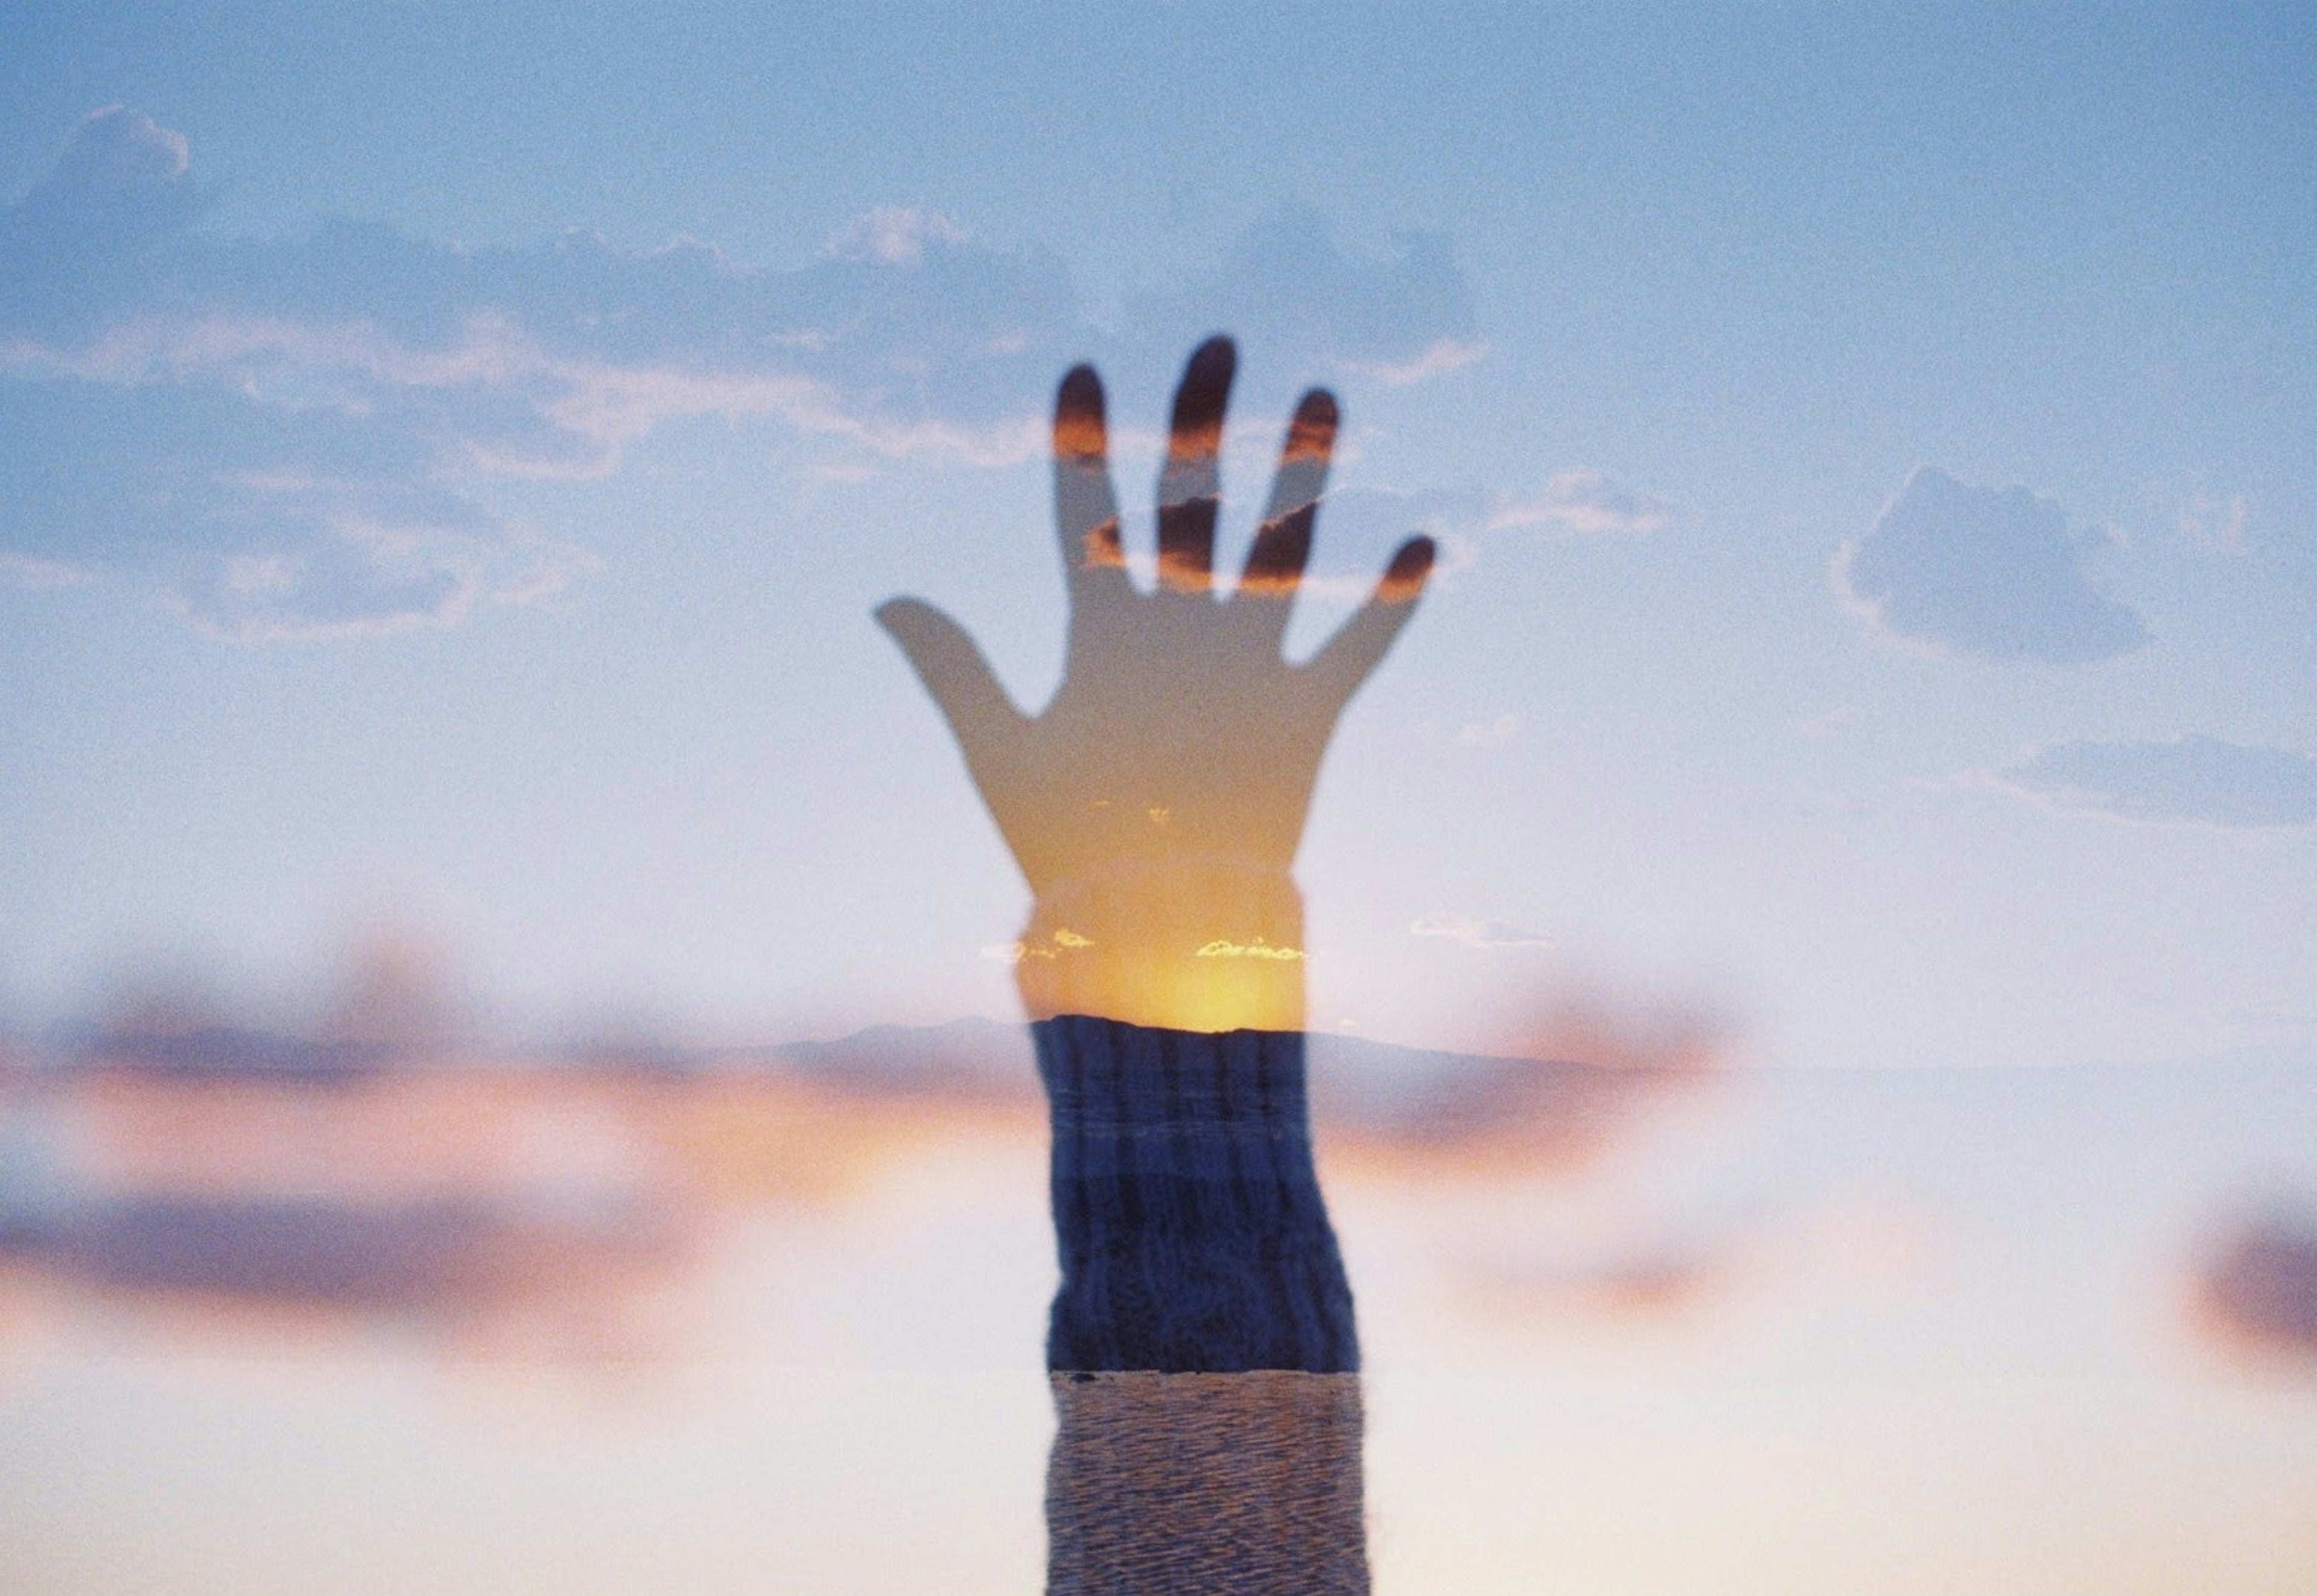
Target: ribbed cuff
column 1246, row 1484
column 1186, row 1208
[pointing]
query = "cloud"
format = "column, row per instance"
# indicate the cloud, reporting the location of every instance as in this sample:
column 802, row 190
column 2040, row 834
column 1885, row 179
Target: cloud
column 1833, row 723
column 310, row 436
column 118, row 150
column 1435, row 359
column 257, row 521
column 1983, row 574
column 894, row 235
column 1587, row 504
column 1852, row 1248
column 2220, row 521
column 1485, row 935
column 2216, row 520
column 94, row 234
column 2257, row 1294
column 1490, row 733
column 1287, row 289
column 2184, row 780
column 24, row 571
column 1665, row 1280
column 1577, row 502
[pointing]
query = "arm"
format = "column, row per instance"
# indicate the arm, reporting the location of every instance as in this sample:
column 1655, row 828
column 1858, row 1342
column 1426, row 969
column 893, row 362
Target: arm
column 1201, row 1348
column 1186, row 1209
column 1155, row 808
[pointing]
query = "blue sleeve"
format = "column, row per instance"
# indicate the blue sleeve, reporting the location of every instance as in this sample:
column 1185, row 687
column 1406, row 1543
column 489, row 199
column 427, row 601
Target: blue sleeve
column 1186, row 1206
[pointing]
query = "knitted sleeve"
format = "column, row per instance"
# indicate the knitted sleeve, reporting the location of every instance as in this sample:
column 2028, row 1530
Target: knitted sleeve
column 1202, row 1360
column 1186, row 1206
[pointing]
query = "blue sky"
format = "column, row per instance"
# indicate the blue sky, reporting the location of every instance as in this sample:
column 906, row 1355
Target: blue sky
column 449, row 457
column 448, row 460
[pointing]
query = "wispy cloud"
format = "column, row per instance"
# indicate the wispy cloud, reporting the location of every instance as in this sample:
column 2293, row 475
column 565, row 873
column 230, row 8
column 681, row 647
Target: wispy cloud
column 896, row 234
column 2187, row 780
column 1838, row 1246
column 1485, row 935
column 26, row 570
column 1981, row 573
column 1493, row 732
column 1832, row 722
column 1286, row 287
column 1435, row 359
column 1585, row 503
column 1666, row 1280
column 301, row 438
column 2215, row 520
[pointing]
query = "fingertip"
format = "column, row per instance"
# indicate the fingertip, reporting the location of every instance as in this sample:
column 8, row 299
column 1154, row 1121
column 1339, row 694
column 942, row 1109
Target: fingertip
column 1080, row 389
column 1405, row 577
column 1079, row 426
column 1312, row 434
column 1202, row 395
column 1317, row 407
column 911, row 622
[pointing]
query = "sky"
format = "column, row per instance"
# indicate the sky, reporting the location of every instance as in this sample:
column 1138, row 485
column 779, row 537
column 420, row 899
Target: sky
column 450, row 460
column 445, row 478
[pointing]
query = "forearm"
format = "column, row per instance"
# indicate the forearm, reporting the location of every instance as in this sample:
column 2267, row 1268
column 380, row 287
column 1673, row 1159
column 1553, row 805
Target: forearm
column 1208, row 1416
column 1188, row 1213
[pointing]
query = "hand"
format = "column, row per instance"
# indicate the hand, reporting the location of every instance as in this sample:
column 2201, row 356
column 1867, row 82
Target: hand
column 1155, row 805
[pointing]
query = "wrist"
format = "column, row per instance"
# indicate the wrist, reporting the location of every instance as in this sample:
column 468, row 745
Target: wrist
column 1181, row 942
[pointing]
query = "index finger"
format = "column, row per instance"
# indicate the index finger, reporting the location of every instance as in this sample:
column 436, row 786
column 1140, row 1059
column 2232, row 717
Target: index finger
column 1086, row 507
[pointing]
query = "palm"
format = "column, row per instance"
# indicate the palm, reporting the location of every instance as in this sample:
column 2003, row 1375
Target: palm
column 1180, row 731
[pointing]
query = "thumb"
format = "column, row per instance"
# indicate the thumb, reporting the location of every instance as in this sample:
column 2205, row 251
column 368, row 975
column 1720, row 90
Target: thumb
column 955, row 675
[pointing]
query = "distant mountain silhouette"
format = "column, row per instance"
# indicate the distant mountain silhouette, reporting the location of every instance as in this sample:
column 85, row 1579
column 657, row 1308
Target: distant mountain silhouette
column 1414, row 1098
column 1408, row 1095
column 240, row 1052
column 971, row 1056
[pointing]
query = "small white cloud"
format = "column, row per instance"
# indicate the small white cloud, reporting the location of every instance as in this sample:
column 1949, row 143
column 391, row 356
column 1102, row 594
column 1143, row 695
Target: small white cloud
column 1290, row 295
column 1489, row 734
column 1486, row 934
column 371, row 580
column 1435, row 359
column 894, row 236
column 354, row 586
column 1832, row 723
column 1817, row 799
column 536, row 567
column 27, row 570
column 116, row 149
column 2216, row 520
column 2182, row 781
column 1971, row 571
column 1586, row 503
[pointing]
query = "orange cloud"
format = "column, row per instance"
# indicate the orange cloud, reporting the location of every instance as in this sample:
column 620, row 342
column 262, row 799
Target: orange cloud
column 2256, row 1298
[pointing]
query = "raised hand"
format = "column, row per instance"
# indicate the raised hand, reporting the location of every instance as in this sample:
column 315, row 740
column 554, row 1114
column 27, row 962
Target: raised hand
column 1156, row 804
